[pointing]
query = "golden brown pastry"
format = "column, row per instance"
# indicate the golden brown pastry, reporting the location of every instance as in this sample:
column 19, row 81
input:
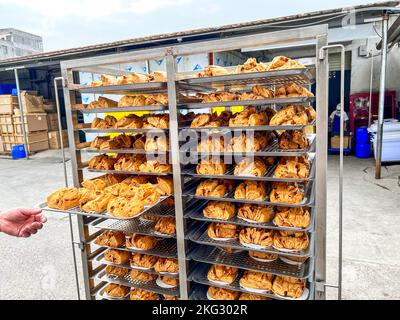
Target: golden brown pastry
column 166, row 265
column 157, row 144
column 168, row 281
column 284, row 192
column 249, row 117
column 219, row 96
column 119, row 189
column 122, row 207
column 297, row 260
column 222, row 231
column 166, row 226
column 111, row 179
column 263, row 256
column 129, row 162
column 165, row 186
column 222, row 294
column 256, row 213
column 257, row 280
column 106, row 123
column 157, row 76
column 117, row 256
column 256, row 236
column 205, row 120
column 167, row 297
column 211, row 188
column 292, row 217
column 94, row 184
column 251, row 190
column 155, row 166
column 102, row 162
column 219, row 210
column 98, row 141
column 110, row 238
column 293, row 115
column 251, row 65
column 157, row 100
column 121, row 141
column 249, row 142
column 94, row 201
column 132, row 101
column 159, row 121
column 288, row 287
column 132, row 78
column 116, row 291
column 63, row 199
column 291, row 90
column 211, row 144
column 143, row 260
column 140, row 294
column 141, row 242
column 129, row 122
column 282, row 63
column 294, row 139
column 222, row 274
column 251, row 167
column 141, row 276
column 116, row 271
column 291, row 240
column 288, row 168
column 211, row 166
column 212, row 71
column 251, row 296
column 102, row 102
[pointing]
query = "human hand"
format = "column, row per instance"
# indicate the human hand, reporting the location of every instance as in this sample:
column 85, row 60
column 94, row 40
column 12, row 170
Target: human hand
column 21, row 222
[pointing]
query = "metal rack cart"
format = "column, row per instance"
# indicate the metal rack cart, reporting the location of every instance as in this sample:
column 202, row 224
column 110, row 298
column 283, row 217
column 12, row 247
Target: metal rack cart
column 192, row 247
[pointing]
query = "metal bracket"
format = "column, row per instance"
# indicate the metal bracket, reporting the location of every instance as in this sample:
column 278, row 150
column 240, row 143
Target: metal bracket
column 80, row 245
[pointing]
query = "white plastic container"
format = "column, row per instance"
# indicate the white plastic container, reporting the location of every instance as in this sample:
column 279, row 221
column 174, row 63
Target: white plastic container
column 390, row 141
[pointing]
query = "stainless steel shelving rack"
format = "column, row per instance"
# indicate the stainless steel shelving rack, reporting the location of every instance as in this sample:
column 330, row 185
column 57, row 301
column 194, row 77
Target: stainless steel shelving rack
column 190, row 249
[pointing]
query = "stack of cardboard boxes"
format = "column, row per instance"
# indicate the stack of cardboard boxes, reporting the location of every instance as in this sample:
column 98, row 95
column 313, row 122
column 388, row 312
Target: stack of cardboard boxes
column 40, row 119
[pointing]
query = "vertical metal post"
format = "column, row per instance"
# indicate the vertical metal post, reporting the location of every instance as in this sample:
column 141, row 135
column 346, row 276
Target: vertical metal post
column 322, row 67
column 176, row 164
column 382, row 86
column 370, row 91
column 21, row 112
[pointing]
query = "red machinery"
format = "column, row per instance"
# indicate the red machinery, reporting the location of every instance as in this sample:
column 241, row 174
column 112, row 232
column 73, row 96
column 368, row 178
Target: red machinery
column 359, row 108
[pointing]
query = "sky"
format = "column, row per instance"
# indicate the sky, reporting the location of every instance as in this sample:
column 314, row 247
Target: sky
column 74, row 23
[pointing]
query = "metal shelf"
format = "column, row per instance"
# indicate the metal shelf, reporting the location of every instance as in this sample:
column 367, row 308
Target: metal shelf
column 242, row 260
column 145, row 87
column 111, row 130
column 123, row 109
column 127, row 151
column 140, row 173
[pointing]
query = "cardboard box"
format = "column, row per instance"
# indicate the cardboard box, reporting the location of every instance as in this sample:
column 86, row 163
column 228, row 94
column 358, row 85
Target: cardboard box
column 335, row 142
column 8, row 99
column 37, row 141
column 33, row 122
column 54, row 139
column 49, row 106
column 6, row 124
column 52, row 121
column 31, row 103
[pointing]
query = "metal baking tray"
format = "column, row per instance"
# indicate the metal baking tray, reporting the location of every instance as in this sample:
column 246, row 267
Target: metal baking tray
column 128, row 151
column 102, row 295
column 140, row 173
column 145, row 87
column 129, row 282
column 100, row 259
column 200, row 236
column 165, row 248
column 194, row 211
column 242, row 260
column 257, row 102
column 124, row 109
column 300, row 76
column 111, row 130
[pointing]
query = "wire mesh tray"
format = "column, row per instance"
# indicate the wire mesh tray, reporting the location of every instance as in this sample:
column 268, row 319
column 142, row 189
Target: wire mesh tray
column 146, row 87
column 139, row 130
column 128, row 151
column 165, row 248
column 242, row 260
column 199, row 275
column 258, row 102
column 100, row 259
column 195, row 211
column 200, row 236
column 129, row 282
column 140, row 173
column 124, row 109
column 299, row 76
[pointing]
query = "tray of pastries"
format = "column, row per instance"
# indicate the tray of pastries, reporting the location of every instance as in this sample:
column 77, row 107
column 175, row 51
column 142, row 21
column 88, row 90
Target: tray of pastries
column 113, row 291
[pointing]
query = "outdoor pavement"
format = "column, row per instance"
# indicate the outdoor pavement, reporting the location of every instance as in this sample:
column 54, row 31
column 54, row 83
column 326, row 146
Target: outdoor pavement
column 41, row 267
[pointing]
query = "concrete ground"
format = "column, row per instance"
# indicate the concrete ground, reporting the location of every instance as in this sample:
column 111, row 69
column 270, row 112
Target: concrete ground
column 41, row 267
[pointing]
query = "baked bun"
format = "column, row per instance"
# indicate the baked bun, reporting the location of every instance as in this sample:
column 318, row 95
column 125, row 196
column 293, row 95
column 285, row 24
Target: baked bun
column 141, row 276
column 211, row 144
column 219, row 210
column 222, row 294
column 95, row 184
column 291, row 240
column 257, row 280
column 251, row 296
column 211, row 167
column 94, row 201
column 251, row 65
column 116, row 271
column 263, row 255
column 256, row 236
column 122, row 207
column 129, row 122
column 290, row 168
column 288, row 287
column 155, row 166
column 283, row 63
column 166, row 265
column 129, row 162
column 165, row 186
column 211, row 188
column 248, row 142
column 222, row 231
column 292, row 90
column 166, row 225
column 212, row 71
column 132, row 101
column 102, row 162
column 63, row 199
column 98, row 141
column 222, row 274
column 141, row 242
column 283, row 192
column 116, row 291
column 157, row 144
column 140, row 294
column 117, row 256
column 251, row 167
column 158, row 121
column 143, row 260
column 167, row 297
column 249, row 117
column 251, row 190
column 294, row 139
column 168, row 281
column 292, row 217
column 256, row 213
column 157, row 76
column 111, row 238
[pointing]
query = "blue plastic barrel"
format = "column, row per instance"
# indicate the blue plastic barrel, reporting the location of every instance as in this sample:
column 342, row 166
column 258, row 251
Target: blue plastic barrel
column 18, row 151
column 362, row 135
column 363, row 150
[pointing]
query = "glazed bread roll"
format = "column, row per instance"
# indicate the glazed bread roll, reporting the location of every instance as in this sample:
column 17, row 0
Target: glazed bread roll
column 146, row 194
column 94, row 201
column 116, row 271
column 222, row 273
column 294, row 139
column 117, row 256
column 222, row 294
column 211, row 188
column 256, row 236
column 140, row 294
column 288, row 287
column 211, row 167
column 122, row 207
column 251, row 296
column 263, row 255
column 142, row 242
column 141, row 276
column 64, row 199
column 116, row 291
column 166, row 265
column 166, row 226
column 251, row 167
column 257, row 280
column 143, row 260
column 222, row 231
column 292, row 217
column 283, row 192
column 256, row 213
column 251, row 190
column 219, row 210
column 111, row 238
column 291, row 240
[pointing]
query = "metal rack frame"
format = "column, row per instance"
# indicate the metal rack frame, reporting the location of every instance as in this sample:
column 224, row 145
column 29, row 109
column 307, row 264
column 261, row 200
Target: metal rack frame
column 316, row 33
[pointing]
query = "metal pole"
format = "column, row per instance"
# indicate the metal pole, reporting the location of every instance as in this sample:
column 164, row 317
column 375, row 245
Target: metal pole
column 370, row 91
column 378, row 163
column 21, row 112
